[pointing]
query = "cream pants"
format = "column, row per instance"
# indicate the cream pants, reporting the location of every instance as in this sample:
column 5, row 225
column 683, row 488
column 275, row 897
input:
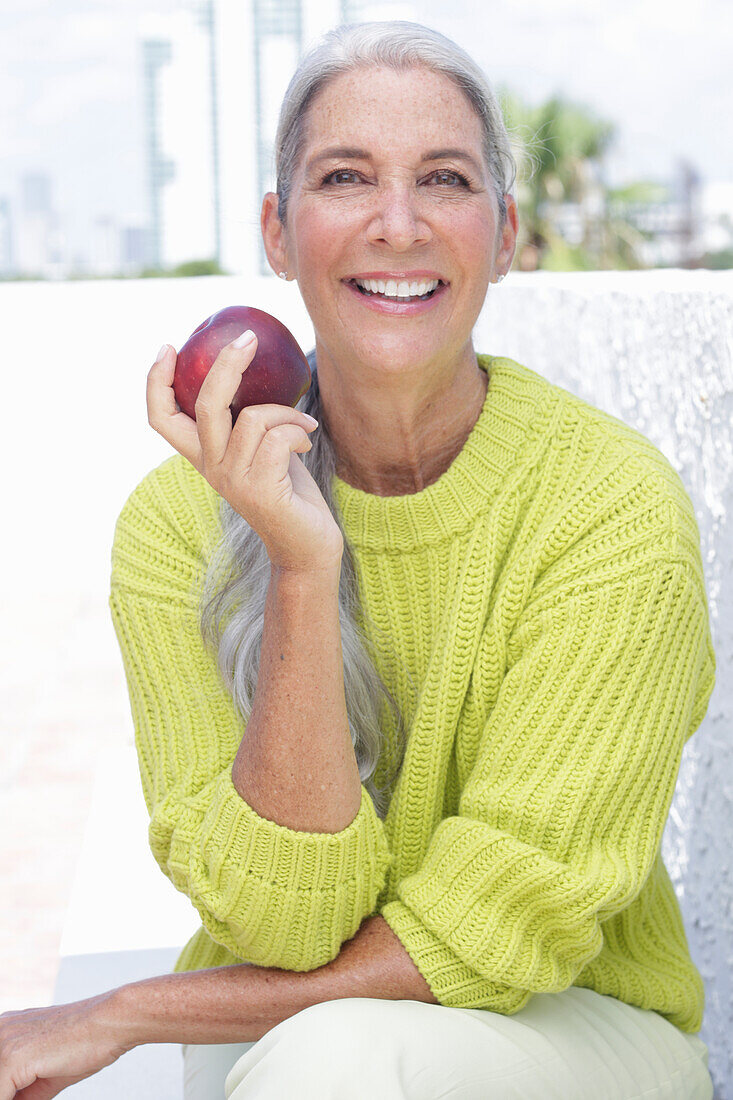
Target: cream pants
column 574, row 1045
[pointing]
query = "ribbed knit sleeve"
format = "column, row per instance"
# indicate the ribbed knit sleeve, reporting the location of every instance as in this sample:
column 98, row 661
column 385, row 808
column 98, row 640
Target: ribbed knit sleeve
column 272, row 895
column 579, row 757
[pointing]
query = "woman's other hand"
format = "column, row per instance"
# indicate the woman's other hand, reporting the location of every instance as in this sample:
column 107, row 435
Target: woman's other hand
column 254, row 464
column 44, row 1050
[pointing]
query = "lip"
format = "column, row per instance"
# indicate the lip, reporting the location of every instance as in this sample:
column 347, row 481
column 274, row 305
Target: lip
column 403, row 309
column 409, row 276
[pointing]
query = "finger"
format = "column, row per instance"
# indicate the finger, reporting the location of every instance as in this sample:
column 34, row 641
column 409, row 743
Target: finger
column 164, row 414
column 213, row 412
column 271, row 462
column 254, row 424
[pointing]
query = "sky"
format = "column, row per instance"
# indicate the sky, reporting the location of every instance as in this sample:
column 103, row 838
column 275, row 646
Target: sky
column 660, row 71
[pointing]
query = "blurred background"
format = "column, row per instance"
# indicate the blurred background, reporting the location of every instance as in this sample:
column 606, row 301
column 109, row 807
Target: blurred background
column 136, row 142
column 137, row 139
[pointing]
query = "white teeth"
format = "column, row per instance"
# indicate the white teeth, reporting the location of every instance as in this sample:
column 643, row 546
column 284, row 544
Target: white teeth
column 391, row 288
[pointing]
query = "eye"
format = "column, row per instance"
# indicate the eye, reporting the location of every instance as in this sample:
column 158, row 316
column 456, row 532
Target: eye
column 449, row 172
column 440, row 172
column 339, row 172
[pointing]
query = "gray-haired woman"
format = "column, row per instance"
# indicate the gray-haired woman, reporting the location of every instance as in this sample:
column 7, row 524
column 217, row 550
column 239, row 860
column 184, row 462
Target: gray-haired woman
column 416, row 779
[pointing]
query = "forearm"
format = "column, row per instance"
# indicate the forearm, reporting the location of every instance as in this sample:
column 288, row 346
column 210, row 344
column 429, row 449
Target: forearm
column 240, row 1004
column 296, row 763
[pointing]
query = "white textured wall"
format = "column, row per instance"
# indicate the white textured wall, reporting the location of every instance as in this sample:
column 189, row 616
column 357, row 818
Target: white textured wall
column 656, row 350
column 652, row 348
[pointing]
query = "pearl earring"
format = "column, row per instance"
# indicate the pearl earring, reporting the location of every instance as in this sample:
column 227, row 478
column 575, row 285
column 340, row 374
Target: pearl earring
column 499, row 278
column 283, row 274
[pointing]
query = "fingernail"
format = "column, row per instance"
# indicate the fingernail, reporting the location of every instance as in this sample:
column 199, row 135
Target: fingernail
column 161, row 353
column 246, row 338
column 311, row 418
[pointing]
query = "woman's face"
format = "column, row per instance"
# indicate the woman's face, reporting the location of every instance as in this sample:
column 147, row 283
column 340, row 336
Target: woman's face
column 408, row 194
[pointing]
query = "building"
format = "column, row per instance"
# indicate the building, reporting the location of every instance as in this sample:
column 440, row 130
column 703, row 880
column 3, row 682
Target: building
column 7, row 264
column 39, row 243
column 214, row 77
column 134, row 248
column 276, row 34
column 716, row 202
column 180, row 130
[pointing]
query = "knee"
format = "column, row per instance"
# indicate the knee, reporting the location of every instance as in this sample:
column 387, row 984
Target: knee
column 340, row 1028
column 319, row 1052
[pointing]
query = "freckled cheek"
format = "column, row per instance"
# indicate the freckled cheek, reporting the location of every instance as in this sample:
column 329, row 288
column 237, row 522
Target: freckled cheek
column 341, row 228
column 318, row 249
column 471, row 249
column 320, row 258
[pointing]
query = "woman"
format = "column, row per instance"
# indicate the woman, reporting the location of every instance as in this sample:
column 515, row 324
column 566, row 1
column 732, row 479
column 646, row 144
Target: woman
column 410, row 708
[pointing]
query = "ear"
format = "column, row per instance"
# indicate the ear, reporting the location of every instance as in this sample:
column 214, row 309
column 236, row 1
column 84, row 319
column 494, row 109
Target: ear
column 508, row 243
column 273, row 234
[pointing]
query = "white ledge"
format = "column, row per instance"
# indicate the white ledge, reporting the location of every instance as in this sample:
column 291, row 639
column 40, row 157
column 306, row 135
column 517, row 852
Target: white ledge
column 631, row 282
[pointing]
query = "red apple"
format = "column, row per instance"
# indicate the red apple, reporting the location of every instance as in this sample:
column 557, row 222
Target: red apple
column 279, row 373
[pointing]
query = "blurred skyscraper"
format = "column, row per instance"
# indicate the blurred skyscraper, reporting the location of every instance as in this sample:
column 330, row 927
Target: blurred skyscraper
column 7, row 260
column 39, row 244
column 105, row 251
column 214, row 75
column 134, row 247
column 179, row 136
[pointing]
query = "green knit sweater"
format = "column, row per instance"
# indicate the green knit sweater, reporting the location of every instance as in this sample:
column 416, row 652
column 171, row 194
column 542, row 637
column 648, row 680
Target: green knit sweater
column 543, row 625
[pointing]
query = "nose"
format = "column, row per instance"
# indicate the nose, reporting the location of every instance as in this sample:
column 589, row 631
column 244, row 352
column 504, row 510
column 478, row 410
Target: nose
column 397, row 220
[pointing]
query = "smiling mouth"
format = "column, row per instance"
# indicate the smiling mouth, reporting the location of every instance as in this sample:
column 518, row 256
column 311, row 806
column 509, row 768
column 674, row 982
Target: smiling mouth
column 396, row 297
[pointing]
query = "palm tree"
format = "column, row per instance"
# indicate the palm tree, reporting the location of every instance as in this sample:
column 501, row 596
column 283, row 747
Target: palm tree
column 559, row 147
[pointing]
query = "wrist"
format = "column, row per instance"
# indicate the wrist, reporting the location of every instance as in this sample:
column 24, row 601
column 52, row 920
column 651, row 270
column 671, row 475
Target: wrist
column 114, row 1014
column 139, row 1012
column 328, row 571
column 311, row 585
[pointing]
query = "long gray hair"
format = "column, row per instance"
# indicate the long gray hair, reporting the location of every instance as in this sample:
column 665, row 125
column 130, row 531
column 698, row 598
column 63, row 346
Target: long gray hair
column 232, row 603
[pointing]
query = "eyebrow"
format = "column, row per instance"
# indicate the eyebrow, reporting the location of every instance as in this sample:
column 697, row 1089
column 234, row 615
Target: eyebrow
column 348, row 153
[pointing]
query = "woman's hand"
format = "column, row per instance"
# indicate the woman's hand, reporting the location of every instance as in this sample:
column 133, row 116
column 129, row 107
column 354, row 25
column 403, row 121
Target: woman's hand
column 44, row 1050
column 253, row 465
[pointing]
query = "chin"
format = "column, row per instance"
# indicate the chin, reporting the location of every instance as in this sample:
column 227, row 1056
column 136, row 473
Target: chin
column 395, row 355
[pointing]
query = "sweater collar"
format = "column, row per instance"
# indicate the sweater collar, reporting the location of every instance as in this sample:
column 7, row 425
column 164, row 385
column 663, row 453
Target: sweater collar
column 515, row 411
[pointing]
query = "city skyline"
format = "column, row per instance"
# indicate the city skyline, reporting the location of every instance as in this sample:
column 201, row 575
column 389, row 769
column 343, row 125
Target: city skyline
column 82, row 122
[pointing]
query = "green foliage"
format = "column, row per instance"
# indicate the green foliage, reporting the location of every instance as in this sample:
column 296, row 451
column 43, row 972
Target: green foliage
column 188, row 269
column 718, row 261
column 559, row 148
column 556, row 139
column 640, row 191
column 561, row 256
column 197, row 267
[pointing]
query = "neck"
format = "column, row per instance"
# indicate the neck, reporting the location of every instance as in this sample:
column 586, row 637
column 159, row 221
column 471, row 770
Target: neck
column 398, row 443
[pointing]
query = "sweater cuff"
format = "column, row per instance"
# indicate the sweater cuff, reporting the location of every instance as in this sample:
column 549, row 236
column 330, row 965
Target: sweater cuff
column 264, row 890
column 292, row 859
column 451, row 981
